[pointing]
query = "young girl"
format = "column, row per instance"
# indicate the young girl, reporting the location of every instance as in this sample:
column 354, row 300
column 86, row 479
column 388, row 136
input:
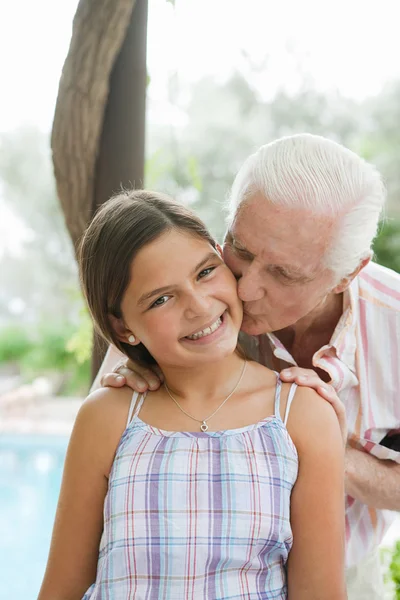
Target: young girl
column 224, row 483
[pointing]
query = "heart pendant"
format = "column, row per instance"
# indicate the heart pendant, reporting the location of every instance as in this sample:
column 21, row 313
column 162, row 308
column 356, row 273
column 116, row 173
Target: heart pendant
column 204, row 426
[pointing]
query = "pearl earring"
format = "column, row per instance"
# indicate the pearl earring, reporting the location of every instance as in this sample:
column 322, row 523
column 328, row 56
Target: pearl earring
column 131, row 339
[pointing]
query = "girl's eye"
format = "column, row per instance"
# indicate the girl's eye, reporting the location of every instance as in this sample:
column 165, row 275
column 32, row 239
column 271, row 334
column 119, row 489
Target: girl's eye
column 160, row 301
column 205, row 272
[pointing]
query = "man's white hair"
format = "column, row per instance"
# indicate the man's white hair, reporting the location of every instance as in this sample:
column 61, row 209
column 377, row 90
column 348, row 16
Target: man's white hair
column 313, row 173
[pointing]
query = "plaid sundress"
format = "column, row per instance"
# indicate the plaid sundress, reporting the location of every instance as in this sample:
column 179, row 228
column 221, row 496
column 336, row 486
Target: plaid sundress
column 192, row 516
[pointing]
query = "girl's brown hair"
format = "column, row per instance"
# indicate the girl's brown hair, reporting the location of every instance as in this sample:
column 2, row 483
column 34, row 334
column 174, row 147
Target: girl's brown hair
column 122, row 227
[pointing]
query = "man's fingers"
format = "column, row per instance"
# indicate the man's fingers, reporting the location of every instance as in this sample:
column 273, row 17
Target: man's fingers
column 339, row 409
column 332, row 399
column 325, row 390
column 137, row 377
column 134, row 379
column 139, row 384
column 112, row 380
column 295, row 373
column 287, row 375
column 310, row 379
column 143, row 377
column 130, row 378
column 159, row 373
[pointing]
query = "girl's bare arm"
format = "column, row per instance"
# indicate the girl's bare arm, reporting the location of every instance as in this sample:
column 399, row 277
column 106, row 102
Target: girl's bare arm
column 72, row 562
column 316, row 569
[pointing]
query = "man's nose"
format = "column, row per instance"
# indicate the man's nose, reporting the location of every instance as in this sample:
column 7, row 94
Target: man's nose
column 250, row 285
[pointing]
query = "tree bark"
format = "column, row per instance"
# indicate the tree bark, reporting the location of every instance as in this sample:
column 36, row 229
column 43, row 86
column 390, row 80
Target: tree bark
column 98, row 131
column 99, row 30
column 121, row 154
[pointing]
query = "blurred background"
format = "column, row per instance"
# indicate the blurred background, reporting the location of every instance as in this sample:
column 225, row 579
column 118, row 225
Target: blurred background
column 222, row 78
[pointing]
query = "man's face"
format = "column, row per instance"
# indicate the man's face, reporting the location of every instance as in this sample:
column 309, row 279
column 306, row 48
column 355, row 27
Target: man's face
column 276, row 255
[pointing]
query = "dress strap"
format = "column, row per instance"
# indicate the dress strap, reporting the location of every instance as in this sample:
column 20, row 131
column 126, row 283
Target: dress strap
column 277, row 409
column 292, row 392
column 133, row 412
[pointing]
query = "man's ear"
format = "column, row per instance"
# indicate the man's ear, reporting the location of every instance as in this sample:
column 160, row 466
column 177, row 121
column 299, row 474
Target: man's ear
column 121, row 331
column 346, row 281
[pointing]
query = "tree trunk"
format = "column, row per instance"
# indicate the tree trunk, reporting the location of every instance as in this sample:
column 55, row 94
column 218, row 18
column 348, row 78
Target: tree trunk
column 99, row 123
column 120, row 160
column 99, row 30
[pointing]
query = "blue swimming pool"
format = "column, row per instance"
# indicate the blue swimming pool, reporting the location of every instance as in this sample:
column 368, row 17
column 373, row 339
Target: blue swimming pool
column 30, row 476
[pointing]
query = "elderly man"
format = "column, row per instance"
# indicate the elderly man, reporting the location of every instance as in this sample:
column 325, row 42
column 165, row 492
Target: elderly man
column 303, row 213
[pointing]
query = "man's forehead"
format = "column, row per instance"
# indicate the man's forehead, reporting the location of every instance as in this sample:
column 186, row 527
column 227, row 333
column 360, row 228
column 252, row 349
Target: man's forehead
column 281, row 235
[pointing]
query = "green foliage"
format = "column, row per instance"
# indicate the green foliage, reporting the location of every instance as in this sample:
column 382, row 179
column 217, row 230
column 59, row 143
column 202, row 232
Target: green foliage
column 48, row 350
column 14, row 344
column 80, row 343
column 394, row 569
column 387, row 245
column 194, row 173
column 51, row 348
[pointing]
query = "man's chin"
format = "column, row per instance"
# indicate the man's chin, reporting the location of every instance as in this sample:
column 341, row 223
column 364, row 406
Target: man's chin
column 254, row 326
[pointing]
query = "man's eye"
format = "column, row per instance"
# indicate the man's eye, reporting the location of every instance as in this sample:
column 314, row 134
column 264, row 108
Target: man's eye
column 160, row 301
column 282, row 274
column 205, row 272
column 242, row 253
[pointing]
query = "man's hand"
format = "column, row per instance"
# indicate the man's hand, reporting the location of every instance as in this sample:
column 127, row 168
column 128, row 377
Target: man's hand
column 140, row 379
column 309, row 378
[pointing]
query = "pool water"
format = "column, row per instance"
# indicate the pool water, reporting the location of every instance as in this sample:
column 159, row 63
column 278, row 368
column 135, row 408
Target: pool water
column 30, row 476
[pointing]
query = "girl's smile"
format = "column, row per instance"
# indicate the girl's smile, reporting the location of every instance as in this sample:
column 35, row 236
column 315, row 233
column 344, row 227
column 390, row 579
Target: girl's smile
column 181, row 302
column 209, row 333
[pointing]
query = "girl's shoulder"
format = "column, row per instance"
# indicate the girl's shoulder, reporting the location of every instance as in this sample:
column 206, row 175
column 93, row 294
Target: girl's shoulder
column 106, row 399
column 261, row 377
column 102, row 418
column 312, row 420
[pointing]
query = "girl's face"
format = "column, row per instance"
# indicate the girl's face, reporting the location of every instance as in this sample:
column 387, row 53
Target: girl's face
column 181, row 302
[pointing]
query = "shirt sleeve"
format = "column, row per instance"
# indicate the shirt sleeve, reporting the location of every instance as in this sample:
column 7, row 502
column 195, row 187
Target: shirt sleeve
column 375, row 449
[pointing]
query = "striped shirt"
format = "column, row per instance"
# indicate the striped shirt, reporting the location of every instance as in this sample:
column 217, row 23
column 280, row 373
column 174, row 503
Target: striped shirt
column 363, row 361
column 192, row 516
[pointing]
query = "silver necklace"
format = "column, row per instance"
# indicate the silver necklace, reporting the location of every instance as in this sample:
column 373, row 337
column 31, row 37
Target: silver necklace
column 204, row 426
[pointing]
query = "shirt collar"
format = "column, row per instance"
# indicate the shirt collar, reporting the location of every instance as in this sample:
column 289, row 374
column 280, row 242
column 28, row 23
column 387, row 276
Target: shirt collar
column 343, row 340
column 344, row 336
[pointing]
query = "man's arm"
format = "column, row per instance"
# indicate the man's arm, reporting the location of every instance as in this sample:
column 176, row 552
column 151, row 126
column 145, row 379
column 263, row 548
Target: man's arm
column 372, row 481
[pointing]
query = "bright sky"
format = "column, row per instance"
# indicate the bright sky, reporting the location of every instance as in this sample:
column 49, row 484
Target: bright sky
column 349, row 45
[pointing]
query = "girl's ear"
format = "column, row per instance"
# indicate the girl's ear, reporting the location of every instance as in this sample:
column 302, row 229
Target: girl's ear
column 219, row 250
column 122, row 332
